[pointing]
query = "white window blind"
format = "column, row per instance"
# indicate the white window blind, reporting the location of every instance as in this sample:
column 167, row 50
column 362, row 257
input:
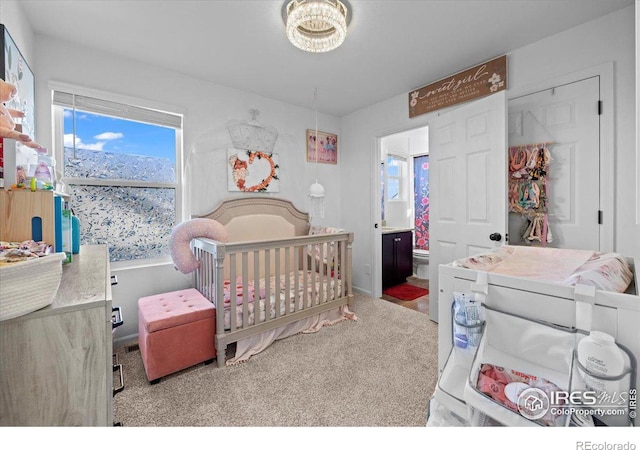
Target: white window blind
column 109, row 108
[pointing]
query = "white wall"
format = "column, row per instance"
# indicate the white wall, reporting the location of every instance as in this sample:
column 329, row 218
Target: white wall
column 610, row 38
column 141, row 282
column 207, row 109
column 419, row 141
column 12, row 17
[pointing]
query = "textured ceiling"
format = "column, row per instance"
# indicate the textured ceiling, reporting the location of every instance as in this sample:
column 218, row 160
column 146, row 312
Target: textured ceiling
column 392, row 47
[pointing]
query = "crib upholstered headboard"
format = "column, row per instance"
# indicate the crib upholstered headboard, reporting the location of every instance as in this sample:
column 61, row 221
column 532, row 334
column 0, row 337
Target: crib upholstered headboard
column 259, row 218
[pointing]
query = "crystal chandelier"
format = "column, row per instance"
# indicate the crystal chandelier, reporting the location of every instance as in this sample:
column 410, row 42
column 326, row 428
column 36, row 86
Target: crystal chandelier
column 316, row 25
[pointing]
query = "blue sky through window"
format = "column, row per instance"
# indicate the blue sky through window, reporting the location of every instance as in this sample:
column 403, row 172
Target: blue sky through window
column 109, row 134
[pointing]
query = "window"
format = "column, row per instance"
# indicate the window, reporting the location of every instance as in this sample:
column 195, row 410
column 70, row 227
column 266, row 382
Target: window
column 121, row 164
column 394, row 176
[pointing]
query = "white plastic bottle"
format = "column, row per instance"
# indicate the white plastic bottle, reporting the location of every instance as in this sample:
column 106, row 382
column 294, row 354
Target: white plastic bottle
column 600, row 355
column 460, row 338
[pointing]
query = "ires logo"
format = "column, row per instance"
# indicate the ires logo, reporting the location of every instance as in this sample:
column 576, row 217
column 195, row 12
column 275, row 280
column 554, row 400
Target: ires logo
column 586, row 398
column 534, row 403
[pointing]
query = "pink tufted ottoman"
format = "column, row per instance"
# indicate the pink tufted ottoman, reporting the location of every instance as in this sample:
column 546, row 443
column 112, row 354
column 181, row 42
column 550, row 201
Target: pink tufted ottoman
column 176, row 330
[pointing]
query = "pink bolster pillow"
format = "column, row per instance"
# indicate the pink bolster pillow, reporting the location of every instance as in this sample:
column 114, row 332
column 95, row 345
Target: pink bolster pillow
column 181, row 235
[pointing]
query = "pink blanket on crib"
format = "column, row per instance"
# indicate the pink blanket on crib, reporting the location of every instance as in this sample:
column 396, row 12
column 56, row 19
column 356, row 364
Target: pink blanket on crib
column 239, row 291
column 312, row 279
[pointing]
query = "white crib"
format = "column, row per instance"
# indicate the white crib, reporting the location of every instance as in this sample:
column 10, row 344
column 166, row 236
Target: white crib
column 272, row 279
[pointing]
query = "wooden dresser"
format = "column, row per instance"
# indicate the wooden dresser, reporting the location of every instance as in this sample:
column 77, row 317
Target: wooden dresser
column 56, row 364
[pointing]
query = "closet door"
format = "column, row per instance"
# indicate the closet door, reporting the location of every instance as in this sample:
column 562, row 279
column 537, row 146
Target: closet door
column 568, row 116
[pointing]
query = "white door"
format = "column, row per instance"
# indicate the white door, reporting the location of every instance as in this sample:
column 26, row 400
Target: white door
column 467, row 171
column 568, row 116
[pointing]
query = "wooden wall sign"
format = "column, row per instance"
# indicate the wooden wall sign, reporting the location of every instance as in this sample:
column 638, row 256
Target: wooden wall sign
column 479, row 81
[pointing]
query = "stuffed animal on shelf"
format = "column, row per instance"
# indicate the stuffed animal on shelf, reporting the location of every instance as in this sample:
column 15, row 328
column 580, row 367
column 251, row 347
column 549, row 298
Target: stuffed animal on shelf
column 7, row 124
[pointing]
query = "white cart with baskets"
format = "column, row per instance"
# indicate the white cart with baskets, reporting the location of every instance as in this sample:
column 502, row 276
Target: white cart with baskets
column 531, row 329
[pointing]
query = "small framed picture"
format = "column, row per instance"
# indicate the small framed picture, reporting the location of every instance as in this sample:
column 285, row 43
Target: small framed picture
column 322, row 147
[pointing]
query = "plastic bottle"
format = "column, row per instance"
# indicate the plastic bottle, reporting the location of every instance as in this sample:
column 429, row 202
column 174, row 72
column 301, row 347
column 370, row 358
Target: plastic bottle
column 460, row 338
column 600, row 355
column 45, row 168
column 75, row 231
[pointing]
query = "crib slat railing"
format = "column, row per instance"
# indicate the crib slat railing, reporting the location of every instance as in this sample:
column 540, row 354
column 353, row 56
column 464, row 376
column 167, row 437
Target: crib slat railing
column 197, row 252
column 245, row 290
column 297, row 252
column 267, row 285
column 322, row 295
column 305, row 280
column 335, row 253
column 343, row 268
column 336, row 260
column 314, row 284
column 334, row 270
column 211, row 273
column 233, row 292
column 256, row 292
column 348, row 271
column 276, row 294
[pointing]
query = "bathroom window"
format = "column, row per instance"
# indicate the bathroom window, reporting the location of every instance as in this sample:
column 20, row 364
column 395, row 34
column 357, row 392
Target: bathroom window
column 394, row 176
column 121, row 165
column 421, row 201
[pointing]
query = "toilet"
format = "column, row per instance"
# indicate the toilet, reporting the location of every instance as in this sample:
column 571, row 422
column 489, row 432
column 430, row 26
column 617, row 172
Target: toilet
column 421, row 263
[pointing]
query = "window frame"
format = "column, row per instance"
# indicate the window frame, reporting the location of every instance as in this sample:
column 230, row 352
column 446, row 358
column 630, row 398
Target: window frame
column 58, row 154
column 402, row 174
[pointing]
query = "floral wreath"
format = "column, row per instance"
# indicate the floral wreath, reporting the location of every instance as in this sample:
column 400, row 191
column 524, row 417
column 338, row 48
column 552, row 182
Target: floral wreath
column 265, row 183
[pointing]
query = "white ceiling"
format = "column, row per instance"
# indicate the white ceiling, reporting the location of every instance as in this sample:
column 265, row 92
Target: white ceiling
column 392, row 47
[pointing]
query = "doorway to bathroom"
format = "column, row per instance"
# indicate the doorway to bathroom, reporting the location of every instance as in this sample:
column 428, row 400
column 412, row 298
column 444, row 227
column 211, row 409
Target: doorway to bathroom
column 404, row 211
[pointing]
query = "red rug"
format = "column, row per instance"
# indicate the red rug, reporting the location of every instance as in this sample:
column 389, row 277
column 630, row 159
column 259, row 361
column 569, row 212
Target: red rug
column 405, row 291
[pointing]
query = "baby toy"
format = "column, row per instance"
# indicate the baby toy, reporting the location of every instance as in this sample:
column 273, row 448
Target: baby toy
column 181, row 235
column 7, row 124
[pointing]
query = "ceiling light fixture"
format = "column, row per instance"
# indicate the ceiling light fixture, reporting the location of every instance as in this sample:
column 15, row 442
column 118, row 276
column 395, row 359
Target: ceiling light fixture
column 316, row 25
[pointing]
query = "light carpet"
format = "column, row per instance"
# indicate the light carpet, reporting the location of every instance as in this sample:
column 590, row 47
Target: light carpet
column 378, row 371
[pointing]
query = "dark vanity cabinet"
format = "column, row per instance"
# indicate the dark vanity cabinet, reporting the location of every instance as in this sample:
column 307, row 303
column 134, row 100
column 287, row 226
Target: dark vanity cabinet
column 397, row 257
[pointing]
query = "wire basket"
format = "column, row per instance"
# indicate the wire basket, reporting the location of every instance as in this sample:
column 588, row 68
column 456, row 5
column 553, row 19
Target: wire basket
column 29, row 285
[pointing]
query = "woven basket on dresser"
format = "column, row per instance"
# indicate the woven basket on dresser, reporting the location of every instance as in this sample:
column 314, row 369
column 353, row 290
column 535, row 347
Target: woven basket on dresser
column 29, row 285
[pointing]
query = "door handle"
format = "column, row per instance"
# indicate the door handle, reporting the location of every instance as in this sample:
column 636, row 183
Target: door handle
column 495, row 237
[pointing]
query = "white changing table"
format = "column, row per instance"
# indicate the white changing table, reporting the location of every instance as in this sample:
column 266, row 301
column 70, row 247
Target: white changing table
column 617, row 314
